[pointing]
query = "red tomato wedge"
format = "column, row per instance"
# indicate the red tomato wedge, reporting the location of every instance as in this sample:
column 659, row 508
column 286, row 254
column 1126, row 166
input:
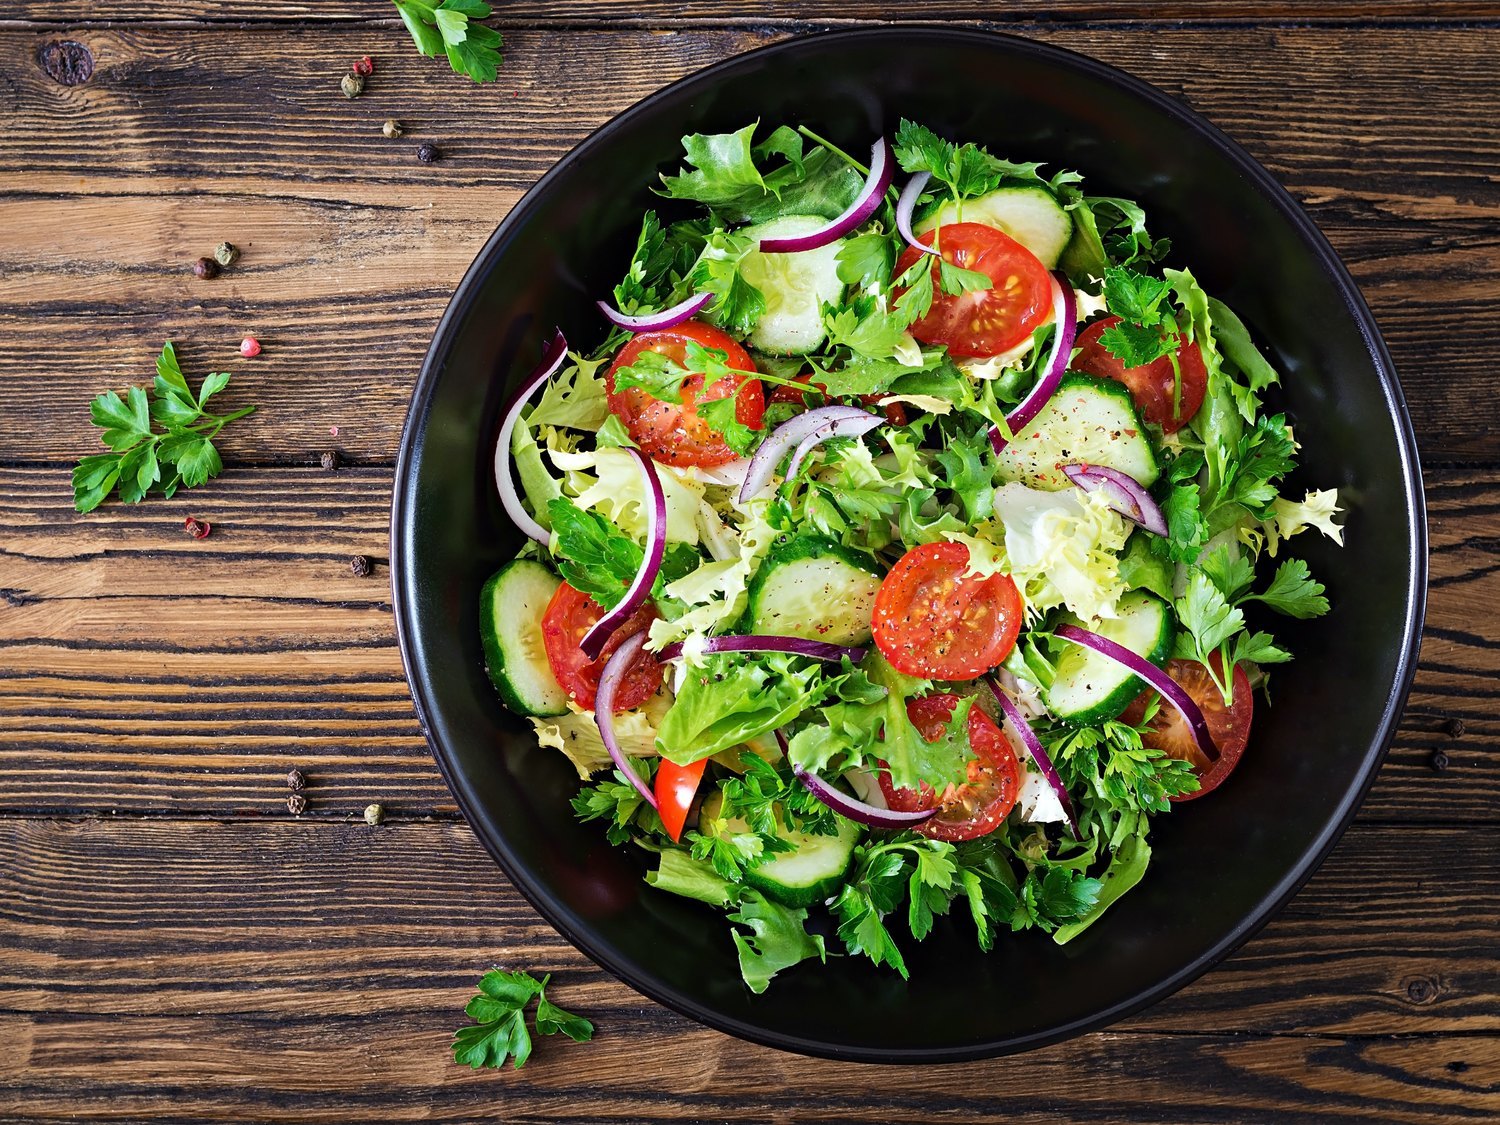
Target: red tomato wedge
column 671, row 432
column 982, row 322
column 569, row 615
column 1151, row 384
column 931, row 619
column 675, row 788
column 1229, row 726
column 981, row 803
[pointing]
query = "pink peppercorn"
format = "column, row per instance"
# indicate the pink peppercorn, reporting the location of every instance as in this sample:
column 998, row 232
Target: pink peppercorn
column 364, row 67
column 249, row 347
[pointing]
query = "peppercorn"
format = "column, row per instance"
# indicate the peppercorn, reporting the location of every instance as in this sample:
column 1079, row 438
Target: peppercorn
column 352, row 85
column 329, row 460
column 360, row 566
column 198, row 529
column 206, row 268
column 374, row 814
column 295, row 779
column 249, row 347
column 429, row 153
column 364, row 67
column 226, row 253
column 1439, row 761
column 392, row 128
column 296, row 804
column 1454, row 728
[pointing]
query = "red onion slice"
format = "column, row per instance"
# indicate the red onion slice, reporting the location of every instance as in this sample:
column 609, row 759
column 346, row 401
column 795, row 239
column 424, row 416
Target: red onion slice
column 657, row 321
column 882, row 163
column 1124, row 493
column 784, row 437
column 842, row 427
column 1163, row 684
column 796, row 646
column 855, row 809
column 552, row 359
column 1035, row 748
column 1065, row 316
column 604, row 710
column 656, row 546
column 907, row 204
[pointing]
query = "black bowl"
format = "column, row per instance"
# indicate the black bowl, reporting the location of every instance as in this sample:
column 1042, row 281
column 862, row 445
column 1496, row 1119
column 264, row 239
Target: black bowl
column 1223, row 865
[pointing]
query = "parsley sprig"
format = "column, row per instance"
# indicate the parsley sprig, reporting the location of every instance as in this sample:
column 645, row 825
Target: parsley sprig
column 447, row 28
column 499, row 1015
column 180, row 454
column 1147, row 329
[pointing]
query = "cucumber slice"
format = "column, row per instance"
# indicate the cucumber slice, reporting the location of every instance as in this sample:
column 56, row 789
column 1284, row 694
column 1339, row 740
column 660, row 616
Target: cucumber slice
column 815, row 588
column 1030, row 215
column 1090, row 687
column 510, row 626
column 795, row 286
column 812, row 871
column 1088, row 419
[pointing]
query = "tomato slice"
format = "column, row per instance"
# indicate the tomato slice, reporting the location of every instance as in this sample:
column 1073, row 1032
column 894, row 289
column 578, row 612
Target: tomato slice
column 980, row 804
column 895, row 412
column 932, row 619
column 670, row 432
column 982, row 321
column 1151, row 384
column 1229, row 726
column 569, row 615
column 675, row 788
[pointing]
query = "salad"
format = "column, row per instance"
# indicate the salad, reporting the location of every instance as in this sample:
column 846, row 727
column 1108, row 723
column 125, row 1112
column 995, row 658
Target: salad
column 900, row 552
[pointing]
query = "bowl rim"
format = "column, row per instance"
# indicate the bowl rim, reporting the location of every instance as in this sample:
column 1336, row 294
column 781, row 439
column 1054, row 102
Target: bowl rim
column 485, row 827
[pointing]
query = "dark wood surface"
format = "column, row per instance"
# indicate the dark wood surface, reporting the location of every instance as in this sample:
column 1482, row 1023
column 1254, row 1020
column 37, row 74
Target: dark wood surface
column 175, row 946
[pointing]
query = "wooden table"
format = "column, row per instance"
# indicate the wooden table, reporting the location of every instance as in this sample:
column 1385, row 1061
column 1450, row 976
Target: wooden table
column 175, row 944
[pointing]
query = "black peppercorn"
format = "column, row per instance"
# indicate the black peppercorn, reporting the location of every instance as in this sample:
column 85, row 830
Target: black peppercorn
column 428, row 153
column 296, row 804
column 1453, row 728
column 329, row 460
column 360, row 566
column 1439, row 761
column 295, row 779
column 206, row 268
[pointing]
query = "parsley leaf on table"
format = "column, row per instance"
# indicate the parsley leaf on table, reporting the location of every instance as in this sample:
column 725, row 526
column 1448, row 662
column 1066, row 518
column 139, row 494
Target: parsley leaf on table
column 446, row 27
column 499, row 1015
column 139, row 452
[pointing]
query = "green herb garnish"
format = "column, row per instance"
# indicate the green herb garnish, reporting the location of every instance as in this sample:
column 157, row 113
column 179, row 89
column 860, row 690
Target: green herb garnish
column 181, row 454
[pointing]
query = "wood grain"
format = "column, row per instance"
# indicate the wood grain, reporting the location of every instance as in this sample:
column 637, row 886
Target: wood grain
column 157, row 673
column 184, row 137
column 259, row 961
column 666, row 13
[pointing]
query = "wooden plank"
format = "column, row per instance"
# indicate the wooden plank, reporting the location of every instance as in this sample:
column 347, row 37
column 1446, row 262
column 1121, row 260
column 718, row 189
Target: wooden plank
column 275, row 970
column 666, row 13
column 151, row 672
column 186, row 136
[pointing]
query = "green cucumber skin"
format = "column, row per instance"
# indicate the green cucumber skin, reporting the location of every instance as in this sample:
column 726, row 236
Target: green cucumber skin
column 1120, row 698
column 796, row 549
column 494, row 652
column 797, row 895
column 1013, row 468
